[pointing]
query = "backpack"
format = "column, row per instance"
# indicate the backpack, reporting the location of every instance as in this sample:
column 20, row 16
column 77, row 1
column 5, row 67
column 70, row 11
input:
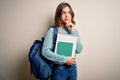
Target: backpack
column 40, row 67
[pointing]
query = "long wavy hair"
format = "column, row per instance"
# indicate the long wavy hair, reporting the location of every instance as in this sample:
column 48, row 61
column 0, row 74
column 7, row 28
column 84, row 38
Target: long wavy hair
column 58, row 13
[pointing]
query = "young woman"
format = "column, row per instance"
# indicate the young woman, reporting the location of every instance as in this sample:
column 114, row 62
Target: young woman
column 64, row 67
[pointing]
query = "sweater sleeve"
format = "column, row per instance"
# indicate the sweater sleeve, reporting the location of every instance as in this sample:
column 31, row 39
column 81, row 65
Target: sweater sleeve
column 78, row 45
column 46, row 49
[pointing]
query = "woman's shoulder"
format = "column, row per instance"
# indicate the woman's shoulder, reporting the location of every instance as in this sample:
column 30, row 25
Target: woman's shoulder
column 75, row 32
column 50, row 30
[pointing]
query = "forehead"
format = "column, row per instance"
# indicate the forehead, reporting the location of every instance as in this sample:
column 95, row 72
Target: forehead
column 66, row 9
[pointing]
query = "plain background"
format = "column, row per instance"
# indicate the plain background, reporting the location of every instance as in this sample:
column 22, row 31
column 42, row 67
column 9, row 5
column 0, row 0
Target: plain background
column 98, row 21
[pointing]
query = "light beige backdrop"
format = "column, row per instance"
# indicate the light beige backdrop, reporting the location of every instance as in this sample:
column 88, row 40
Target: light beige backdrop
column 98, row 21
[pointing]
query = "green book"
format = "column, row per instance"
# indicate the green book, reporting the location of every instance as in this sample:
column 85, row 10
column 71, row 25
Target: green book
column 64, row 48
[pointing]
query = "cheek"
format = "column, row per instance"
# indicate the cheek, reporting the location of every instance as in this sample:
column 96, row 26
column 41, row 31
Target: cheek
column 70, row 16
column 62, row 17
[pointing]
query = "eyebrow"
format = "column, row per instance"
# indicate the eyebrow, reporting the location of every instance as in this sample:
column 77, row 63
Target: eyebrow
column 66, row 11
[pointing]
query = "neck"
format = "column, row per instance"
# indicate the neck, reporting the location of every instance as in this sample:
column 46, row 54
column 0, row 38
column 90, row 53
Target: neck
column 61, row 26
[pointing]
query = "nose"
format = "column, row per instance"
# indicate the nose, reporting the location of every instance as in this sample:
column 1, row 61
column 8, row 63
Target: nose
column 66, row 15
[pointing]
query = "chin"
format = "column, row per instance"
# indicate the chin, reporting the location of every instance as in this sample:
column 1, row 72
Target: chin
column 66, row 21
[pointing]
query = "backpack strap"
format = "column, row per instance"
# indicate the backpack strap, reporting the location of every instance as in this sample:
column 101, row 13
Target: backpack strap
column 55, row 31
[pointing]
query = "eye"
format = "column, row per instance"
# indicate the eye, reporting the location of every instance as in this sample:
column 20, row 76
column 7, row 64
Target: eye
column 69, row 12
column 63, row 12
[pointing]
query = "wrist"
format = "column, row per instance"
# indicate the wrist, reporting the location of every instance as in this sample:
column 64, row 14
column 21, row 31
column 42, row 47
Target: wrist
column 71, row 31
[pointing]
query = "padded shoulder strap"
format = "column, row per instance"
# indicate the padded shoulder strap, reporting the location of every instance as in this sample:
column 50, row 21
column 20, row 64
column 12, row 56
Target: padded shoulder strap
column 55, row 31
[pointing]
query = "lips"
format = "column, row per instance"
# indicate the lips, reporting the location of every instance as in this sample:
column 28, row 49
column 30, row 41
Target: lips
column 66, row 19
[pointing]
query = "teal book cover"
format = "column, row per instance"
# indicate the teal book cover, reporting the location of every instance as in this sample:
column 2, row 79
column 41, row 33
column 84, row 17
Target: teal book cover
column 64, row 48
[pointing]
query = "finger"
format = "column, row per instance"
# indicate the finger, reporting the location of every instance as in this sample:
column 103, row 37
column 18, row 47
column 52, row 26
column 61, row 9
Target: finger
column 73, row 63
column 73, row 58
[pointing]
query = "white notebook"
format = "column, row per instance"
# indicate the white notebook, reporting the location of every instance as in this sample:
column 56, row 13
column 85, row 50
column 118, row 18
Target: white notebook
column 66, row 44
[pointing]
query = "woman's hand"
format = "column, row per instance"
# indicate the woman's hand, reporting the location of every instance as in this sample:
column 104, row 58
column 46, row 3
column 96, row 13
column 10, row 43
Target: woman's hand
column 70, row 61
column 70, row 26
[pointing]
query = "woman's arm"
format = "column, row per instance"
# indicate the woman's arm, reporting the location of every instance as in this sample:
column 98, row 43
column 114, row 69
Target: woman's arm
column 46, row 49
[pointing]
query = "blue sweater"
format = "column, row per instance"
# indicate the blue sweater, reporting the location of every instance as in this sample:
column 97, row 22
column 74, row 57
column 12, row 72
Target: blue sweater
column 48, row 44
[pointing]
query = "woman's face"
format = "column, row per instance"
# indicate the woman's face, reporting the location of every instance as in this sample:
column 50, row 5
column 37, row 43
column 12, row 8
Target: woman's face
column 66, row 15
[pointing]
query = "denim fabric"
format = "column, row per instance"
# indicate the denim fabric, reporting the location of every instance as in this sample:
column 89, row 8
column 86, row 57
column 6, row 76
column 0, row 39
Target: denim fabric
column 64, row 72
